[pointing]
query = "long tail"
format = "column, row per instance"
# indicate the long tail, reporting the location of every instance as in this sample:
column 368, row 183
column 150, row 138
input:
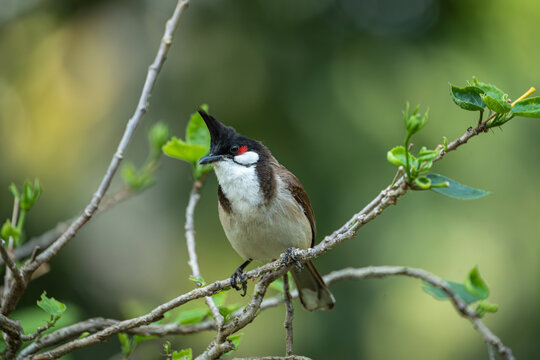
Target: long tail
column 312, row 290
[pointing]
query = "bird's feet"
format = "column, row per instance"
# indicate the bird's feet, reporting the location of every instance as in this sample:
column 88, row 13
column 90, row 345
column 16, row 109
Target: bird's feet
column 290, row 258
column 238, row 277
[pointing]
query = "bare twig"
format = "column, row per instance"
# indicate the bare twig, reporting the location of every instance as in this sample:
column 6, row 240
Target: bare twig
column 288, row 316
column 10, row 263
column 292, row 357
column 190, row 239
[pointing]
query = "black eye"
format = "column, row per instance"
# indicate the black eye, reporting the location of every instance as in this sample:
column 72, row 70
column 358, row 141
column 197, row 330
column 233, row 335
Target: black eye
column 234, row 149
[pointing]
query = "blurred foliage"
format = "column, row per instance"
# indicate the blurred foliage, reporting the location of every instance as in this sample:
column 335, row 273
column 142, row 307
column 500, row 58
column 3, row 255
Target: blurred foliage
column 322, row 84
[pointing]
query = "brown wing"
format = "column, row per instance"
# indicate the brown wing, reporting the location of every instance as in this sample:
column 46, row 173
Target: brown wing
column 299, row 193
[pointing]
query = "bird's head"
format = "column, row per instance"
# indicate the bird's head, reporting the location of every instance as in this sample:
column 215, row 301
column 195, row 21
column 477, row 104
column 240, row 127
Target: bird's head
column 227, row 145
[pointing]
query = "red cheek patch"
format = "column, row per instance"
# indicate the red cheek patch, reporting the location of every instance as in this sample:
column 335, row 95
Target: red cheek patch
column 242, row 150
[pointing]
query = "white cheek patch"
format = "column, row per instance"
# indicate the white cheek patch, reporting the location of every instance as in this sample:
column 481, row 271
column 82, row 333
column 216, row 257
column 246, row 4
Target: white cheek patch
column 247, row 158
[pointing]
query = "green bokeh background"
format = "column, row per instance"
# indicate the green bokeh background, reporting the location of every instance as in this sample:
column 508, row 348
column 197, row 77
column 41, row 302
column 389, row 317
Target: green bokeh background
column 322, row 84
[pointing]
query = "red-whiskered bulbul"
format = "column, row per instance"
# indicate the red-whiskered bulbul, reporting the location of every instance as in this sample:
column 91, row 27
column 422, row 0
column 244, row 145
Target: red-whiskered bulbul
column 263, row 209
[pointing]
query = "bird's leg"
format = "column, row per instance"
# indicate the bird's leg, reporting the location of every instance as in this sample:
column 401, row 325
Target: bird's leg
column 238, row 276
column 289, row 258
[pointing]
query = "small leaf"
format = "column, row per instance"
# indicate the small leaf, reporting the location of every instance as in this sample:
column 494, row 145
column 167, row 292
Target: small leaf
column 467, row 98
column 235, row 339
column 52, row 307
column 396, row 156
column 494, row 98
column 179, row 149
column 136, row 179
column 125, row 344
column 528, row 107
column 427, row 155
column 227, row 310
column 157, row 137
column 185, row 354
column 29, row 195
column 192, row 316
column 454, row 189
column 8, row 230
column 14, row 191
column 219, row 298
column 414, row 122
column 84, row 334
column 197, row 132
column 476, row 285
column 457, row 288
column 140, row 338
column 198, row 280
column 200, row 170
column 277, row 285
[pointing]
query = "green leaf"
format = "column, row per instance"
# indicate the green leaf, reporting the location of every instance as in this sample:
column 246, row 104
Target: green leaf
column 200, row 170
column 192, row 316
column 125, row 344
column 427, row 155
column 476, row 285
column 52, row 307
column 157, row 137
column 198, row 280
column 414, row 122
column 8, row 230
column 179, row 149
column 219, row 298
column 29, row 195
column 14, row 191
column 197, row 132
column 454, row 189
column 396, row 156
column 185, row 354
column 140, row 338
column 235, row 339
column 494, row 98
column 467, row 98
column 136, row 179
column 457, row 288
column 277, row 285
column 528, row 107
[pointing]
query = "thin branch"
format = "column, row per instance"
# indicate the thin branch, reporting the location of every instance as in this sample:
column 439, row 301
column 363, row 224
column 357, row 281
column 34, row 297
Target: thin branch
column 190, row 239
column 292, row 357
column 10, row 263
column 288, row 316
column 97, row 324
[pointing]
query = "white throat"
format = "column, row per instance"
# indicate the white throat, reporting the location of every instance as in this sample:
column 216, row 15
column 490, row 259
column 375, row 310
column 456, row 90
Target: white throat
column 240, row 183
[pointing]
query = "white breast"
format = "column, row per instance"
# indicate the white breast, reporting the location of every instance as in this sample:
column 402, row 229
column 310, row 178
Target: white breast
column 257, row 230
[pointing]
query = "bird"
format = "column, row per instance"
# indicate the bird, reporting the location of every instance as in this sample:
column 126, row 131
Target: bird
column 263, row 209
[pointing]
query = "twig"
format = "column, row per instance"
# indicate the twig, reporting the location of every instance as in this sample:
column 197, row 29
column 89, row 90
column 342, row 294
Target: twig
column 10, row 263
column 190, row 239
column 97, row 324
column 292, row 357
column 37, row 333
column 288, row 316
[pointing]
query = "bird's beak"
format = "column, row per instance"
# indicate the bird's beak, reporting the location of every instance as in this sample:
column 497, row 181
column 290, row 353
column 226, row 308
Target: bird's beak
column 210, row 158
